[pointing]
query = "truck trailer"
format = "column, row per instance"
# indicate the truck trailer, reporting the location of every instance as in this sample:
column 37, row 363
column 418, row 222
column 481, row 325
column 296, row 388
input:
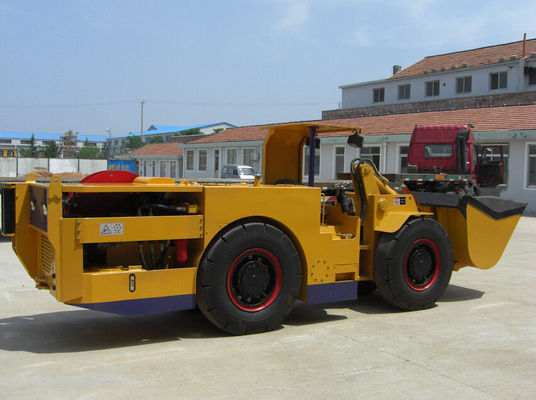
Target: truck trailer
column 244, row 253
column 446, row 158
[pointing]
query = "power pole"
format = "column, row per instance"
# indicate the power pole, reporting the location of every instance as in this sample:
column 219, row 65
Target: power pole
column 141, row 125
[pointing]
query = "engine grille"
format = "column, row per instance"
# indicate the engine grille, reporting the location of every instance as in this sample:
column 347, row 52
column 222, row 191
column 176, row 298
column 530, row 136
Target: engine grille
column 47, row 256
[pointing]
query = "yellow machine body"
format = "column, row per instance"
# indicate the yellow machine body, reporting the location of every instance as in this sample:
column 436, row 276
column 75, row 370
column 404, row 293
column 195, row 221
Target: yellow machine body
column 336, row 248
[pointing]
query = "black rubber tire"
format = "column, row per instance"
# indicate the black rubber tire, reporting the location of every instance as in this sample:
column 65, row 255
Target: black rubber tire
column 216, row 295
column 413, row 266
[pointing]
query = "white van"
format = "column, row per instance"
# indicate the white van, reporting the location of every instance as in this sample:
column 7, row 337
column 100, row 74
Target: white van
column 237, row 172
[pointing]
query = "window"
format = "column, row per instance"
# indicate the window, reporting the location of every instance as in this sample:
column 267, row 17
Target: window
column 498, row 80
column 216, row 161
column 432, row 88
column 378, row 95
column 492, row 153
column 531, row 71
column 531, row 181
column 339, row 160
column 371, row 153
column 145, row 168
column 232, row 156
column 403, row 154
column 5, row 140
column 163, row 168
column 463, row 85
column 439, row 150
column 25, row 142
column 306, row 160
column 202, row 161
column 248, row 157
column 404, row 92
column 189, row 160
column 173, row 169
column 153, row 168
column 137, row 168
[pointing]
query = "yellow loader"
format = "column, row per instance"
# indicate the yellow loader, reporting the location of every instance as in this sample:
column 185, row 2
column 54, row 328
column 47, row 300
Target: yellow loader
column 243, row 253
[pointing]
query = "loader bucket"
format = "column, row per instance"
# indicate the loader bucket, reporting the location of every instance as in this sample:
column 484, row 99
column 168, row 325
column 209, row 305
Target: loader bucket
column 479, row 227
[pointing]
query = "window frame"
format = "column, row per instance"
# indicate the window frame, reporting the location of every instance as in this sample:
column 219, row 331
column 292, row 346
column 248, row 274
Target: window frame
column 463, row 80
column 499, row 74
column 188, row 152
column 337, row 156
column 381, row 95
column 163, row 168
column 399, row 151
column 403, row 88
column 200, row 156
column 216, row 155
column 373, row 154
column 227, row 150
column 527, row 169
column 433, row 83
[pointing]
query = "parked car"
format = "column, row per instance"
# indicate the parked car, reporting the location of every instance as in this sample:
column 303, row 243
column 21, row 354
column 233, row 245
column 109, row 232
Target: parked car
column 237, row 171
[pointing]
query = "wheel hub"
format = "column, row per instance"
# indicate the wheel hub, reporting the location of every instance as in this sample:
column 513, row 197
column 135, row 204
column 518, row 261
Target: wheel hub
column 421, row 265
column 253, row 279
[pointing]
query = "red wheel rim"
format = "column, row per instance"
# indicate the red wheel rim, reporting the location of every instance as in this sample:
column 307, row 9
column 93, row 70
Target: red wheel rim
column 421, row 264
column 254, row 280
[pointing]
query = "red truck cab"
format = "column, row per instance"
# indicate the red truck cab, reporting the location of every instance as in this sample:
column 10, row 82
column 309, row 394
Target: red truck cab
column 443, row 149
column 450, row 156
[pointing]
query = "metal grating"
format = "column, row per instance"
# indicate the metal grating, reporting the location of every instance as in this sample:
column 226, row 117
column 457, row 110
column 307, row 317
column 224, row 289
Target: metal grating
column 47, row 255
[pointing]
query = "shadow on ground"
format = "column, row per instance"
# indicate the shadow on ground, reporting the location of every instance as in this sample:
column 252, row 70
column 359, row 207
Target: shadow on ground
column 84, row 330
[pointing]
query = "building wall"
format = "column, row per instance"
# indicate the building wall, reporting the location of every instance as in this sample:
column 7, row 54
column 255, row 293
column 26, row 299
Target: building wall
column 362, row 95
column 210, row 171
column 13, row 167
column 518, row 188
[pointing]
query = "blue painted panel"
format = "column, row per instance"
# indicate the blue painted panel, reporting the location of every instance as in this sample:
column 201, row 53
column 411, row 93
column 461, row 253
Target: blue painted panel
column 331, row 292
column 144, row 306
column 122, row 165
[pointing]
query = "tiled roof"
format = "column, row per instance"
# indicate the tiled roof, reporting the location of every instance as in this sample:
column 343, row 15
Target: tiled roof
column 158, row 149
column 473, row 58
column 483, row 119
column 244, row 133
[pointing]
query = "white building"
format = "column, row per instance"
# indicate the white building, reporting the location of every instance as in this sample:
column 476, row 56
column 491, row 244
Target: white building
column 386, row 141
column 487, row 71
column 117, row 145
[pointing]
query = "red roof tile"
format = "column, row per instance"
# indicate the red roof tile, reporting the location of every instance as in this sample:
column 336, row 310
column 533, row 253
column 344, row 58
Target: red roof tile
column 473, row 58
column 158, row 149
column 484, row 120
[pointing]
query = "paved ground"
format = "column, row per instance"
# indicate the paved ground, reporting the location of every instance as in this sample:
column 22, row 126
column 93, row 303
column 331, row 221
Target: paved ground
column 478, row 343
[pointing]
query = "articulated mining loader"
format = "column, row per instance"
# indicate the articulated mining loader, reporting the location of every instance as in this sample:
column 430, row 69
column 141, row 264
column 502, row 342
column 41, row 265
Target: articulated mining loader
column 243, row 253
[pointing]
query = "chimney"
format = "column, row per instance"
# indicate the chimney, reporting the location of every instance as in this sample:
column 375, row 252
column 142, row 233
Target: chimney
column 396, row 69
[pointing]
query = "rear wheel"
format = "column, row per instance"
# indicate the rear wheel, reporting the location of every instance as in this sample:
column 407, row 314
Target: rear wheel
column 413, row 266
column 249, row 279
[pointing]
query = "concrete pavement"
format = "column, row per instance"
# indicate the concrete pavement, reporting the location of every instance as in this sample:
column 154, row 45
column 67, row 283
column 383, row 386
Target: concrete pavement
column 479, row 342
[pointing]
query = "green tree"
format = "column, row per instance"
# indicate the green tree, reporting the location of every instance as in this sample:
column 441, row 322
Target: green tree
column 51, row 149
column 32, row 151
column 134, row 142
column 87, row 151
column 193, row 131
column 217, row 130
column 103, row 153
column 68, row 144
column 156, row 139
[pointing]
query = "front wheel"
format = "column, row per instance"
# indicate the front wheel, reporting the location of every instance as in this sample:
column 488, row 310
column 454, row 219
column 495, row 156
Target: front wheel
column 249, row 279
column 413, row 266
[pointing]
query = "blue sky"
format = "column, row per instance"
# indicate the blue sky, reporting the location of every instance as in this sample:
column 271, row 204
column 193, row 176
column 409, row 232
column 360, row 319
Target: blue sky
column 86, row 65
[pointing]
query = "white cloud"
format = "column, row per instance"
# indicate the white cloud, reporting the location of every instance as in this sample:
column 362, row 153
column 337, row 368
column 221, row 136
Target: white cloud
column 295, row 16
column 361, row 39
